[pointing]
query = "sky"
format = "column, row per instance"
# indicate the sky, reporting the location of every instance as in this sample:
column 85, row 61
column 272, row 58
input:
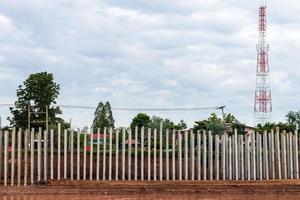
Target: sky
column 150, row 54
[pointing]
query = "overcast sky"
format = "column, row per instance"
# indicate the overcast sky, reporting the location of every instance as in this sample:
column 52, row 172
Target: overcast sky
column 150, row 53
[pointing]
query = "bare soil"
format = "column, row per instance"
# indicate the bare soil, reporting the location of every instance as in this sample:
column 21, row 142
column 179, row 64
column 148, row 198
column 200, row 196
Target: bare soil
column 209, row 190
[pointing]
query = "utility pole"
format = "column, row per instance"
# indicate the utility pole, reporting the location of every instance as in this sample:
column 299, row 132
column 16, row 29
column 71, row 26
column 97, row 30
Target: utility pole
column 46, row 121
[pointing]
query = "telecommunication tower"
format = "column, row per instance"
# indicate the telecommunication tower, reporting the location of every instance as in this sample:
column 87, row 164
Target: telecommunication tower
column 263, row 95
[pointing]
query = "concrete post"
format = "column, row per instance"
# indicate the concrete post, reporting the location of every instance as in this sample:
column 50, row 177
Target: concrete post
column 142, row 152
column 149, row 154
column 185, row 155
column 173, row 155
column 13, row 146
column 104, row 155
column 192, row 151
column 117, row 155
column 198, row 155
column 110, row 154
column 217, row 157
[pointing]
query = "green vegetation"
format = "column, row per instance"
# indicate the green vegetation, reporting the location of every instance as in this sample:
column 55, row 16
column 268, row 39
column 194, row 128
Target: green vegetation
column 40, row 91
column 218, row 125
column 103, row 117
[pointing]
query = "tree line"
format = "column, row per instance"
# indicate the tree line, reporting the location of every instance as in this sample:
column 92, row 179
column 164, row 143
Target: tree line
column 40, row 91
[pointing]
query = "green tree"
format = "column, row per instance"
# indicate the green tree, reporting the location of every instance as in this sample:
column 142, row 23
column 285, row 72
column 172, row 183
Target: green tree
column 293, row 118
column 40, row 91
column 140, row 120
column 103, row 117
column 181, row 125
column 217, row 125
column 273, row 126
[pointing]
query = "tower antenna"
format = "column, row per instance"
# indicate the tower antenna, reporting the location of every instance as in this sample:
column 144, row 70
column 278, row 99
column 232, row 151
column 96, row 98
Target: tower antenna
column 263, row 95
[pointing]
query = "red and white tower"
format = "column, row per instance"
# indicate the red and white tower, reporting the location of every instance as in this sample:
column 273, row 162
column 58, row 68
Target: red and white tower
column 263, row 96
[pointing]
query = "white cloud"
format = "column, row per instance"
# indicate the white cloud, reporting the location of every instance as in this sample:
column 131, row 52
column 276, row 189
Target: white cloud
column 141, row 53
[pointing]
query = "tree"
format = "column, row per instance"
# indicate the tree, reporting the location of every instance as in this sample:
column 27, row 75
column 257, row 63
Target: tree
column 273, row 126
column 181, row 125
column 217, row 125
column 40, row 91
column 140, row 120
column 103, row 117
column 293, row 118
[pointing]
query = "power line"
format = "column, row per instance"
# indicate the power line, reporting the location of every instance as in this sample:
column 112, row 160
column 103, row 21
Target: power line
column 135, row 109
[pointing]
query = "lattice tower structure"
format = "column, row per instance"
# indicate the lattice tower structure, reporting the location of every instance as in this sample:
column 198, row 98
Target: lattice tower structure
column 263, row 96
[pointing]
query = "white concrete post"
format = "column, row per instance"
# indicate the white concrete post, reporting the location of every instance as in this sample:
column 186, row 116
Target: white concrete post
column 167, row 156
column 149, row 154
column 257, row 155
column 180, row 155
column 136, row 153
column 192, row 152
column 117, row 155
column 247, row 149
column 19, row 156
column 91, row 153
column 217, row 156
column 296, row 158
column 39, row 154
column 186, row 155
column 32, row 156
column 142, row 152
column 204, row 156
column 84, row 155
column 65, row 152
column 72, row 155
column 223, row 159
column 278, row 157
column 236, row 163
column 154, row 159
column 123, row 153
column 51, row 154
column 26, row 157
column 253, row 156
column 291, row 155
column 266, row 163
column 78, row 154
column 283, row 156
column 160, row 152
column 173, row 155
column 230, row 157
column 110, row 154
column 98, row 155
column 210, row 155
column 45, row 155
column 13, row 146
column 129, row 154
column 5, row 157
column 260, row 157
column 58, row 150
column 104, row 155
column 272, row 155
column 288, row 154
column 242, row 146
column 198, row 155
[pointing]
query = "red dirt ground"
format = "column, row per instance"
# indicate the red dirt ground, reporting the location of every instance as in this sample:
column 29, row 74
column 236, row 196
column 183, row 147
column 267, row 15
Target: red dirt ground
column 209, row 190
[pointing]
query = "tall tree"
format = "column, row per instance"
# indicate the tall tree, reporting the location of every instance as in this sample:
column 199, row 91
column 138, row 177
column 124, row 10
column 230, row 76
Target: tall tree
column 40, row 91
column 140, row 120
column 103, row 117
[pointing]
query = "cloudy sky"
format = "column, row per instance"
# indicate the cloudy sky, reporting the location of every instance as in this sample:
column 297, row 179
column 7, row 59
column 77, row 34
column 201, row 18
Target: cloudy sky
column 150, row 53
